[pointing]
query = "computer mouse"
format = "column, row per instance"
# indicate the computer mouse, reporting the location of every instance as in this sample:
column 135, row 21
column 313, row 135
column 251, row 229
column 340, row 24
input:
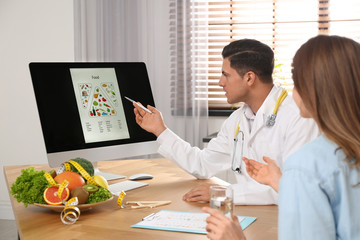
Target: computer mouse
column 141, row 176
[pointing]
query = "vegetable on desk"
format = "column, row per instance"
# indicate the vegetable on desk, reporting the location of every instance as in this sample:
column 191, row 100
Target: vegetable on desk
column 30, row 186
column 86, row 164
column 99, row 196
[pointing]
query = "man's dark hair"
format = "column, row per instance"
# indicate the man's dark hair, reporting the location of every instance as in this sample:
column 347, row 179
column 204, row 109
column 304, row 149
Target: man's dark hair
column 251, row 55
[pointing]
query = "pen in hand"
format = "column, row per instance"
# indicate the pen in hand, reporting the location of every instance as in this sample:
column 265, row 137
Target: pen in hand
column 144, row 108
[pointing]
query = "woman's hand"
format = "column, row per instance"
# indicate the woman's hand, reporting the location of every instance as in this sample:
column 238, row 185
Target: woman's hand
column 220, row 227
column 268, row 174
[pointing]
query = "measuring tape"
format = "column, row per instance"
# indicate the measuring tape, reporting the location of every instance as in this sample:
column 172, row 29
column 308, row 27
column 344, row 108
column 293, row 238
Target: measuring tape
column 50, row 179
column 83, row 172
column 67, row 167
column 70, row 214
column 120, row 199
column 90, row 179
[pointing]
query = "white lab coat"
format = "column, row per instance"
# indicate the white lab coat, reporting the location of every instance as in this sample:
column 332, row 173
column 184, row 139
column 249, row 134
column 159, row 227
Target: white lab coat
column 288, row 134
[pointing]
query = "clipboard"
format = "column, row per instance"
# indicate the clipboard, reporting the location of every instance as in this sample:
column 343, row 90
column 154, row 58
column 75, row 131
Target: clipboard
column 182, row 221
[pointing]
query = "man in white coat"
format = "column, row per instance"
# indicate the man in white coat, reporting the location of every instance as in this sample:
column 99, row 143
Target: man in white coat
column 268, row 124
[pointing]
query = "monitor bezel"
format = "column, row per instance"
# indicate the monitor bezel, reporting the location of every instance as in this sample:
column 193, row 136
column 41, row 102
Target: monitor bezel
column 104, row 150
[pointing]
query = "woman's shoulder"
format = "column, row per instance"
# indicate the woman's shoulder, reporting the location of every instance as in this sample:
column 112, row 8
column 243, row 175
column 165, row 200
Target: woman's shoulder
column 317, row 156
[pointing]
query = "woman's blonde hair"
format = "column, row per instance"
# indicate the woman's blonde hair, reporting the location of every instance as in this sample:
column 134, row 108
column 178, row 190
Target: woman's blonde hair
column 326, row 73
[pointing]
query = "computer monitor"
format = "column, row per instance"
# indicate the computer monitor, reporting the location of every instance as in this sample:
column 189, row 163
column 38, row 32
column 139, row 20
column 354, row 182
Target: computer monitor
column 84, row 113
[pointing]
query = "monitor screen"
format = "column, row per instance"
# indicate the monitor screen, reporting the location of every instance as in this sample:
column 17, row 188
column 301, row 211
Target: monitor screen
column 84, row 113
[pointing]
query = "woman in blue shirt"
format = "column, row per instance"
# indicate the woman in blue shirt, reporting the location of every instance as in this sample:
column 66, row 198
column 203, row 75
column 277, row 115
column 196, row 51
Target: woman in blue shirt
column 320, row 184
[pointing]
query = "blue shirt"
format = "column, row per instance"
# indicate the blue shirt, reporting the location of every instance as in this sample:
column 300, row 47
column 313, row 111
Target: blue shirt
column 318, row 196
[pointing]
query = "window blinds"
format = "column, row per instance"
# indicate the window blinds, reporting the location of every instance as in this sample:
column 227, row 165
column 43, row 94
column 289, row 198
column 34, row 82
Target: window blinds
column 282, row 24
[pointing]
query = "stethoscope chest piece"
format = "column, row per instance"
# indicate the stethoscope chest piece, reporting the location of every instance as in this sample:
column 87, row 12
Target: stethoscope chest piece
column 270, row 121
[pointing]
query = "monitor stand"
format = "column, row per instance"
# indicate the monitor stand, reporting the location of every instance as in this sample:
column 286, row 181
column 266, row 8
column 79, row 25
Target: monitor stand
column 107, row 176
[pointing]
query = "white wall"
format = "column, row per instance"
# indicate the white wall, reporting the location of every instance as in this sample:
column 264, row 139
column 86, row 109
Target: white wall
column 36, row 30
column 43, row 30
column 215, row 123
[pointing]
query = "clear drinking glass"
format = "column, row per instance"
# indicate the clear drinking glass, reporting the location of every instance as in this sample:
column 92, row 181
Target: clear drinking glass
column 221, row 198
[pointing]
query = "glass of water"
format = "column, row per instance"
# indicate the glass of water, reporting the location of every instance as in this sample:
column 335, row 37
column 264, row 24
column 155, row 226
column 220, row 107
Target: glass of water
column 221, row 198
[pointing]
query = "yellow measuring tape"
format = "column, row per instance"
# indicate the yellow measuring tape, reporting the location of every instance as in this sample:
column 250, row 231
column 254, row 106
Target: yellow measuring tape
column 121, row 199
column 67, row 166
column 82, row 172
column 70, row 214
column 50, row 179
column 91, row 180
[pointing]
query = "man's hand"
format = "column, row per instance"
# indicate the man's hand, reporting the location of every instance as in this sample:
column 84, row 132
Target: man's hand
column 268, row 174
column 220, row 227
column 199, row 193
column 151, row 122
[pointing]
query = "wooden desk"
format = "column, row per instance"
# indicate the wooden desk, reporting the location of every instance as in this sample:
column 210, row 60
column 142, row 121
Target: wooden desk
column 111, row 222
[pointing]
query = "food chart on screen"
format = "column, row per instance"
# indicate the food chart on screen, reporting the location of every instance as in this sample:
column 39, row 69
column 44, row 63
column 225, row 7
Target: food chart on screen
column 99, row 103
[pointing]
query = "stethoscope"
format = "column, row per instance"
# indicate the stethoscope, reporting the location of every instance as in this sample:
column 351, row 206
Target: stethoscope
column 269, row 122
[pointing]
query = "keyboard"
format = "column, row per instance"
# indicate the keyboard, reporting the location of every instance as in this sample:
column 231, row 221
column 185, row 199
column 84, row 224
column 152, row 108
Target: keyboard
column 109, row 176
column 127, row 185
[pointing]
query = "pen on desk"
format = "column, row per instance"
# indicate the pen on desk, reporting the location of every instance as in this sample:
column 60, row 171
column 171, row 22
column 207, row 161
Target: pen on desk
column 149, row 216
column 138, row 104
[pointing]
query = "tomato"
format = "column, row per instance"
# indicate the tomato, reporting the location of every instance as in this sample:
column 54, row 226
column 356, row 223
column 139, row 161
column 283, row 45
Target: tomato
column 75, row 180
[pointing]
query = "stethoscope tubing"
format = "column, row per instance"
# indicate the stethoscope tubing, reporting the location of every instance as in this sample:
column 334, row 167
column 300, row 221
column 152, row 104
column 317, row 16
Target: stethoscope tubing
column 269, row 123
column 238, row 169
